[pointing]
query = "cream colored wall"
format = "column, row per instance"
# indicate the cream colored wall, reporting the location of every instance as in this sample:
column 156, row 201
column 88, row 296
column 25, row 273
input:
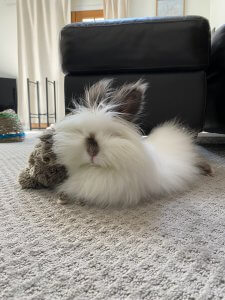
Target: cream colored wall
column 198, row 7
column 141, row 8
column 147, row 8
column 8, row 38
column 217, row 13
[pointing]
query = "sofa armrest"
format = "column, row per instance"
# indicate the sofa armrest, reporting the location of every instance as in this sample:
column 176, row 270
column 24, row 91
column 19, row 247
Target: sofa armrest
column 131, row 45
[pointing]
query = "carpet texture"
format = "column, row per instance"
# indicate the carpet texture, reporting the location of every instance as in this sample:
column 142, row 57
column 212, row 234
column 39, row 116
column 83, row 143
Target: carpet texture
column 172, row 248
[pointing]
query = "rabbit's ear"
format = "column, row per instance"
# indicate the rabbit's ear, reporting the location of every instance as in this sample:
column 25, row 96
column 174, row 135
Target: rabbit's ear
column 129, row 99
column 99, row 92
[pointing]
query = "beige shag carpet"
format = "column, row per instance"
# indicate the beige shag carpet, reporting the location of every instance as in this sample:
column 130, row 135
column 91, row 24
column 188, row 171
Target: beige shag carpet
column 172, row 248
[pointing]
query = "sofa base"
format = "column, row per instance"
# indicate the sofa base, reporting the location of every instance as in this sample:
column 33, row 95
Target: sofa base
column 179, row 95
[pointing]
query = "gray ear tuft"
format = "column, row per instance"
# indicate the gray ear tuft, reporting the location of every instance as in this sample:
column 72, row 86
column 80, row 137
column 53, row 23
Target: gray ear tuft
column 129, row 99
column 98, row 92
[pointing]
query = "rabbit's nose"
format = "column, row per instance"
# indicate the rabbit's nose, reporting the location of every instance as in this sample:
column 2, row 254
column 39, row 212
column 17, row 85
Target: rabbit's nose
column 92, row 146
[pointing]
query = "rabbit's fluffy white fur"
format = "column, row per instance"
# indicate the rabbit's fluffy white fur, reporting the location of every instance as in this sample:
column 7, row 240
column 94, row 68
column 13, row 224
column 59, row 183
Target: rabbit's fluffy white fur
column 123, row 167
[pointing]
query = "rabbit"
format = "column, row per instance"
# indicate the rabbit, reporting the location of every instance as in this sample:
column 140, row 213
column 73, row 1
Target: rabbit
column 108, row 161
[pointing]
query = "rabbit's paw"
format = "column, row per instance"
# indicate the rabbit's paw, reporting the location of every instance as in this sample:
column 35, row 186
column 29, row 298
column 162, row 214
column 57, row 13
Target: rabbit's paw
column 62, row 198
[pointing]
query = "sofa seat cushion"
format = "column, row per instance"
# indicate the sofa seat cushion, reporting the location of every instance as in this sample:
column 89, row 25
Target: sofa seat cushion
column 217, row 61
column 215, row 108
column 131, row 45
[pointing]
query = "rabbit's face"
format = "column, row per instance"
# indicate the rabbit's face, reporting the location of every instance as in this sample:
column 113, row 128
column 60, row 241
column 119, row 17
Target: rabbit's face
column 95, row 138
column 98, row 134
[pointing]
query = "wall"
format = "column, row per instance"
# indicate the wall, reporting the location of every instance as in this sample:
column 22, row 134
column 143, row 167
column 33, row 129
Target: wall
column 217, row 13
column 147, row 8
column 141, row 8
column 198, row 7
column 8, row 38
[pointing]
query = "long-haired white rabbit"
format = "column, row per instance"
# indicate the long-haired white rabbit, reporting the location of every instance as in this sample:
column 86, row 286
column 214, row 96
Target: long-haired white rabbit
column 108, row 161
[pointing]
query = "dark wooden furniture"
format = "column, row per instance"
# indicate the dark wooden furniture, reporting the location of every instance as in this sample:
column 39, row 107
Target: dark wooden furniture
column 8, row 94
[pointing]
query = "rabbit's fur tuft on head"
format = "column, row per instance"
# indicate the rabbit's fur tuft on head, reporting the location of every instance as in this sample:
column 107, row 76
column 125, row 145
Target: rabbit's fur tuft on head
column 127, row 100
column 108, row 161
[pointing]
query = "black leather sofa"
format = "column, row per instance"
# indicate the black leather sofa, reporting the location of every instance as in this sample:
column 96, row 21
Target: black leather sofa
column 171, row 54
column 215, row 108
